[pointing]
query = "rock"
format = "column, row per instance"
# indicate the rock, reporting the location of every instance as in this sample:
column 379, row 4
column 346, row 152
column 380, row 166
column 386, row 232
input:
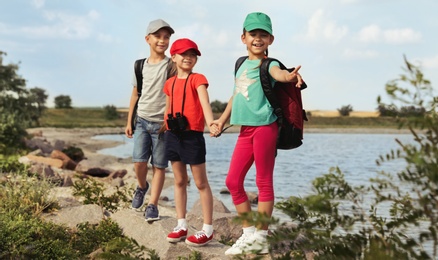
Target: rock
column 117, row 182
column 153, row 235
column 223, row 225
column 67, row 182
column 42, row 170
column 118, row 174
column 59, row 145
column 89, row 168
column 72, row 216
column 253, row 197
column 44, row 160
column 67, row 162
column 224, row 191
column 39, row 143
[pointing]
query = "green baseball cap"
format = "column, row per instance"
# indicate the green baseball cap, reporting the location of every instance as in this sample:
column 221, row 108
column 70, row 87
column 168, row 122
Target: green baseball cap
column 258, row 20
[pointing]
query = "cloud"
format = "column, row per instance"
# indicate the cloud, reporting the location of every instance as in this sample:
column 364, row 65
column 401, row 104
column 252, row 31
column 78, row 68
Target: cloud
column 63, row 25
column 430, row 63
column 320, row 27
column 374, row 34
column 359, row 54
column 38, row 3
column 400, row 36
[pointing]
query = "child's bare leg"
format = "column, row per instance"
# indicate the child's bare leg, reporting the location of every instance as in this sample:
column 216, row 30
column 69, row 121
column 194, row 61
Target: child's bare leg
column 200, row 177
column 180, row 188
column 159, row 175
column 141, row 170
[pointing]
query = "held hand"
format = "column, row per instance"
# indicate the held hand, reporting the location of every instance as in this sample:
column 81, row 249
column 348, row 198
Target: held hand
column 214, row 129
column 217, row 127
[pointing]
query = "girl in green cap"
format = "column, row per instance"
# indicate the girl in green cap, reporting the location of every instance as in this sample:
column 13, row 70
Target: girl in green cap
column 256, row 142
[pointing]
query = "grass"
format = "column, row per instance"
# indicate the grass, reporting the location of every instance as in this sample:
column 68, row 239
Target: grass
column 95, row 117
column 79, row 117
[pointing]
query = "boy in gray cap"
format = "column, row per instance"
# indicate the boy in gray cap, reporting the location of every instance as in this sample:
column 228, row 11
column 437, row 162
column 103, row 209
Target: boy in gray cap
column 149, row 101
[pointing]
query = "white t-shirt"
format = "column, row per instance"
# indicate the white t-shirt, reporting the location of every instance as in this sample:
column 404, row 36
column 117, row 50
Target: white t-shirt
column 152, row 101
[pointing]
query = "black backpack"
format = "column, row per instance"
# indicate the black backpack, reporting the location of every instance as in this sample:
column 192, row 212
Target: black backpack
column 138, row 68
column 286, row 101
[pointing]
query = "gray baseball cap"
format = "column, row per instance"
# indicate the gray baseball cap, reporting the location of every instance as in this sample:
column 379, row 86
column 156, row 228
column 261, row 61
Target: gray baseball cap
column 156, row 25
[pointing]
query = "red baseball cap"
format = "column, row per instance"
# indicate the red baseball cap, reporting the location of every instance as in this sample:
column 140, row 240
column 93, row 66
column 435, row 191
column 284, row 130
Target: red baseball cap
column 182, row 45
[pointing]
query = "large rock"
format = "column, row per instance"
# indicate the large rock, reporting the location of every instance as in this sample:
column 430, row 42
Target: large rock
column 45, row 160
column 223, row 225
column 67, row 163
column 72, row 216
column 153, row 235
column 89, row 167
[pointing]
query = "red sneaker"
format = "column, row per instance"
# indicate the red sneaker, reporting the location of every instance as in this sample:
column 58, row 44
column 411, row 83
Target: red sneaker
column 199, row 239
column 177, row 235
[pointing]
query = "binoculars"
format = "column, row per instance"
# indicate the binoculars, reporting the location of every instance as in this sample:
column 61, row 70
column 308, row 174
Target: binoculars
column 177, row 123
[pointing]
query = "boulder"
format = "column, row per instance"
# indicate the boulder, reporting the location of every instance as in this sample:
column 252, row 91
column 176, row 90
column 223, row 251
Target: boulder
column 154, row 235
column 67, row 162
column 44, row 160
column 72, row 216
column 89, row 168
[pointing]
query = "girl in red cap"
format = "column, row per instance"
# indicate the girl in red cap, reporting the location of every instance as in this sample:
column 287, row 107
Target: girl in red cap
column 187, row 111
column 256, row 142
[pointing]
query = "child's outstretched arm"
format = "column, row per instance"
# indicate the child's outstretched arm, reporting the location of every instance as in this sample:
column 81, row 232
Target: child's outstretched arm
column 206, row 108
column 286, row 76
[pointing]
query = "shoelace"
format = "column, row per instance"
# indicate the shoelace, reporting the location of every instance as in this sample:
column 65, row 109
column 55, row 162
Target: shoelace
column 200, row 234
column 138, row 194
column 152, row 208
column 177, row 229
column 240, row 241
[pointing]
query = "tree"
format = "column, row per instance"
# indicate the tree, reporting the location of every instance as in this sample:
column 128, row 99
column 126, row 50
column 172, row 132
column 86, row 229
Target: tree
column 111, row 112
column 217, row 106
column 63, row 101
column 38, row 98
column 345, row 110
column 16, row 108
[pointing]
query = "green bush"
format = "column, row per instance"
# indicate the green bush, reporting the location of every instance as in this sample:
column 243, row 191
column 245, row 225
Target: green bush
column 94, row 193
column 395, row 217
column 345, row 110
column 111, row 112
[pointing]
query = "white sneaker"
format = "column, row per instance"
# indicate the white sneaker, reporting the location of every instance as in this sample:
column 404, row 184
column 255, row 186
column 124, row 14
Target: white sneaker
column 258, row 246
column 247, row 244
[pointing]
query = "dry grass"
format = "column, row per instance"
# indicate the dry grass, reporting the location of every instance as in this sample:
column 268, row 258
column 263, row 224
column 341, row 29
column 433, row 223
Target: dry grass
column 335, row 113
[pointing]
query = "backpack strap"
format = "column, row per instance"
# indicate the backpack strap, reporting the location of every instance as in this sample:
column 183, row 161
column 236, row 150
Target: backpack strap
column 138, row 69
column 268, row 89
column 239, row 62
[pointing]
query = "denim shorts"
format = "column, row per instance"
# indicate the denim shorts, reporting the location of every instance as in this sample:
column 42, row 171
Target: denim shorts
column 148, row 143
column 187, row 147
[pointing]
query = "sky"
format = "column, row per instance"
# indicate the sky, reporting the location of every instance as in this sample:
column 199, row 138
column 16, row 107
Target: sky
column 348, row 49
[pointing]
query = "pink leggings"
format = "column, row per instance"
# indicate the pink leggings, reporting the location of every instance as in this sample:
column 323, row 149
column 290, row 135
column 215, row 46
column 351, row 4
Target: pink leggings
column 254, row 144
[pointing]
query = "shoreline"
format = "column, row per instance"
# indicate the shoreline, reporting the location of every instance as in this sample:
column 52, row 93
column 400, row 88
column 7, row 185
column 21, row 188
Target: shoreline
column 83, row 137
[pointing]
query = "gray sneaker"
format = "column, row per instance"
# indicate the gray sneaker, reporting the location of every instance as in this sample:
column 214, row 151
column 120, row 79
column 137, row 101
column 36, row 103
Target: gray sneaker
column 151, row 213
column 139, row 194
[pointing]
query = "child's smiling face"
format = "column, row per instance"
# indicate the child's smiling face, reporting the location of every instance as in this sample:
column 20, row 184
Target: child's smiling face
column 257, row 41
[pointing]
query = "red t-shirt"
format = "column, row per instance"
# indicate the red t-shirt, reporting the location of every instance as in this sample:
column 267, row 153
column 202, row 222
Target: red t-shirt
column 192, row 106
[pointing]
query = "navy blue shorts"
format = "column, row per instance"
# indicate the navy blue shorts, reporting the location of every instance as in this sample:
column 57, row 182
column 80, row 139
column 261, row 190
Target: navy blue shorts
column 187, row 147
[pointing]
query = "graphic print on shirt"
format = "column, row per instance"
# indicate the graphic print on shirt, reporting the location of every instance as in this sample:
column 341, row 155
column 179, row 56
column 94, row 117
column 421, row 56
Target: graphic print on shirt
column 242, row 84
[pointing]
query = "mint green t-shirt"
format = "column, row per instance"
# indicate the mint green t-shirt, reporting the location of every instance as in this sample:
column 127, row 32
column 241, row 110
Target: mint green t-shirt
column 250, row 105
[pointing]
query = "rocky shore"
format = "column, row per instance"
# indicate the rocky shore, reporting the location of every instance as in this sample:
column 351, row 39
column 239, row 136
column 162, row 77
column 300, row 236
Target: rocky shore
column 117, row 172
